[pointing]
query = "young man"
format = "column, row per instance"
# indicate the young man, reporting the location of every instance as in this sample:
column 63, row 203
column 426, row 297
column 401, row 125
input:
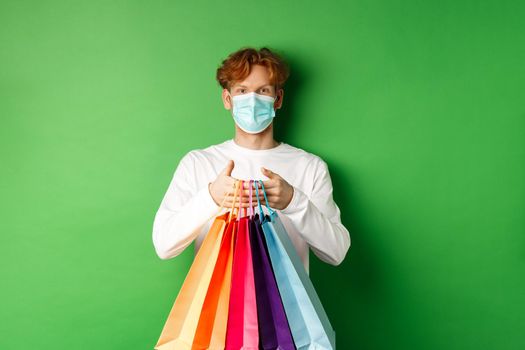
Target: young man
column 297, row 182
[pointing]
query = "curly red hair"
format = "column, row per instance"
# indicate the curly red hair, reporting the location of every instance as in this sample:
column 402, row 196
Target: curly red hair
column 237, row 66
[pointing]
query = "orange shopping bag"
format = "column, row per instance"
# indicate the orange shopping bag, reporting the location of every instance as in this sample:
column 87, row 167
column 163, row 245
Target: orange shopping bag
column 180, row 328
column 211, row 330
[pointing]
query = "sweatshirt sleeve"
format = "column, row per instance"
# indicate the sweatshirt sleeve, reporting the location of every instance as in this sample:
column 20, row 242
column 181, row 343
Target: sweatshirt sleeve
column 318, row 218
column 183, row 211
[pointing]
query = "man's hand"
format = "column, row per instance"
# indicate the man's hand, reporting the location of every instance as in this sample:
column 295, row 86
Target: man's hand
column 278, row 191
column 223, row 186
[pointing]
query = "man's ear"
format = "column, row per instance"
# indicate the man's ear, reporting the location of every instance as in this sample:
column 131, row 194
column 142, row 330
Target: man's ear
column 279, row 98
column 226, row 98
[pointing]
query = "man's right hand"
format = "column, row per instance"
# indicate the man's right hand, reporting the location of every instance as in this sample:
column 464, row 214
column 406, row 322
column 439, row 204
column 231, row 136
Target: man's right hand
column 224, row 186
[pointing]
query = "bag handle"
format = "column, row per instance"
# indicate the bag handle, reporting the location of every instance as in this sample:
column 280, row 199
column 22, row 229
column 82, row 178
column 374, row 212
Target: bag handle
column 239, row 212
column 234, row 198
column 261, row 213
column 265, row 198
column 251, row 194
column 221, row 206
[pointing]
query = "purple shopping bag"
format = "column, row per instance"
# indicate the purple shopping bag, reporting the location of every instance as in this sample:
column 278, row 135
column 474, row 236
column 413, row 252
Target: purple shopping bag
column 274, row 331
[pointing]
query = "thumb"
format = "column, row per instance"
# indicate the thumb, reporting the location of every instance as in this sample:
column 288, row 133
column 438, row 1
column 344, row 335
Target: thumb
column 229, row 168
column 268, row 173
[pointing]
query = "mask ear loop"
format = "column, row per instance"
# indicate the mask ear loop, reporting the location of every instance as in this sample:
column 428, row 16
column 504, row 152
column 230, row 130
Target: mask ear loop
column 234, row 198
column 251, row 203
column 266, row 199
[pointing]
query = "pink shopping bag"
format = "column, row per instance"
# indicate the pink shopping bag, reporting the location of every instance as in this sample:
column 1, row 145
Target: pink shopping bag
column 242, row 332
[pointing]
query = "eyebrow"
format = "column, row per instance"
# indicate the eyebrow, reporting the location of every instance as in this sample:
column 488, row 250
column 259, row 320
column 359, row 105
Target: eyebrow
column 244, row 86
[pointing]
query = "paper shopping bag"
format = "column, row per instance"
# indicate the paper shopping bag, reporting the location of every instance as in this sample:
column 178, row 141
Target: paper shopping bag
column 211, row 329
column 274, row 331
column 308, row 320
column 180, row 327
column 242, row 332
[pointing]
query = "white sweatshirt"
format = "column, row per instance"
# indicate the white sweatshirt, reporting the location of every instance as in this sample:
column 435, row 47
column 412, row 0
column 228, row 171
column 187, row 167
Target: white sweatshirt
column 312, row 218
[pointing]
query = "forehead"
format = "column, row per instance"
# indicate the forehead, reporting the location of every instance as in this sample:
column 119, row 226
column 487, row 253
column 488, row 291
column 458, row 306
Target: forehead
column 259, row 77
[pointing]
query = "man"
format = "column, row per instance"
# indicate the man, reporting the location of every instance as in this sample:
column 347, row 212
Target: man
column 297, row 182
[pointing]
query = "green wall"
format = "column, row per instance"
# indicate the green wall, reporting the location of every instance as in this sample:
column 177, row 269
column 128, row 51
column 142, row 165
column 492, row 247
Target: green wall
column 417, row 107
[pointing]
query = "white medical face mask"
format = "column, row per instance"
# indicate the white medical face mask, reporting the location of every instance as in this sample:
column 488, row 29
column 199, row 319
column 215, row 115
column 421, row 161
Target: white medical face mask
column 253, row 112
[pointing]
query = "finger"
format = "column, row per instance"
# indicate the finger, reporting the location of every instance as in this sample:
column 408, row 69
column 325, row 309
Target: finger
column 246, row 193
column 231, row 204
column 270, row 185
column 246, row 201
column 243, row 205
column 268, row 173
column 272, row 190
column 254, row 183
column 253, row 201
column 266, row 183
column 229, row 168
column 246, row 205
column 229, row 193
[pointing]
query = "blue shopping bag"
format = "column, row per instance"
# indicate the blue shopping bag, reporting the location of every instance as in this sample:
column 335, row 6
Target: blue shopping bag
column 307, row 318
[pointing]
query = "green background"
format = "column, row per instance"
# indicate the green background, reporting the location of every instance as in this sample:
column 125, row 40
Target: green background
column 417, row 107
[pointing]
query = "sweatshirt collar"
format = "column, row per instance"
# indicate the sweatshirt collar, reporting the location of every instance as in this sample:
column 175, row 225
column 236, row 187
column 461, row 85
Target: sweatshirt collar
column 239, row 148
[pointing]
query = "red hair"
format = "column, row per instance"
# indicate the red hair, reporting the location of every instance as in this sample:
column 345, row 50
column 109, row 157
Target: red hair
column 237, row 66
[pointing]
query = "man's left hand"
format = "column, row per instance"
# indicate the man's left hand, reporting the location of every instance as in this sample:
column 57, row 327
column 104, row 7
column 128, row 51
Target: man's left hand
column 278, row 191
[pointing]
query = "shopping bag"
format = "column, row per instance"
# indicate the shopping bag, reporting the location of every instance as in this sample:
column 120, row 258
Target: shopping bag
column 308, row 320
column 242, row 332
column 180, row 327
column 211, row 329
column 274, row 330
